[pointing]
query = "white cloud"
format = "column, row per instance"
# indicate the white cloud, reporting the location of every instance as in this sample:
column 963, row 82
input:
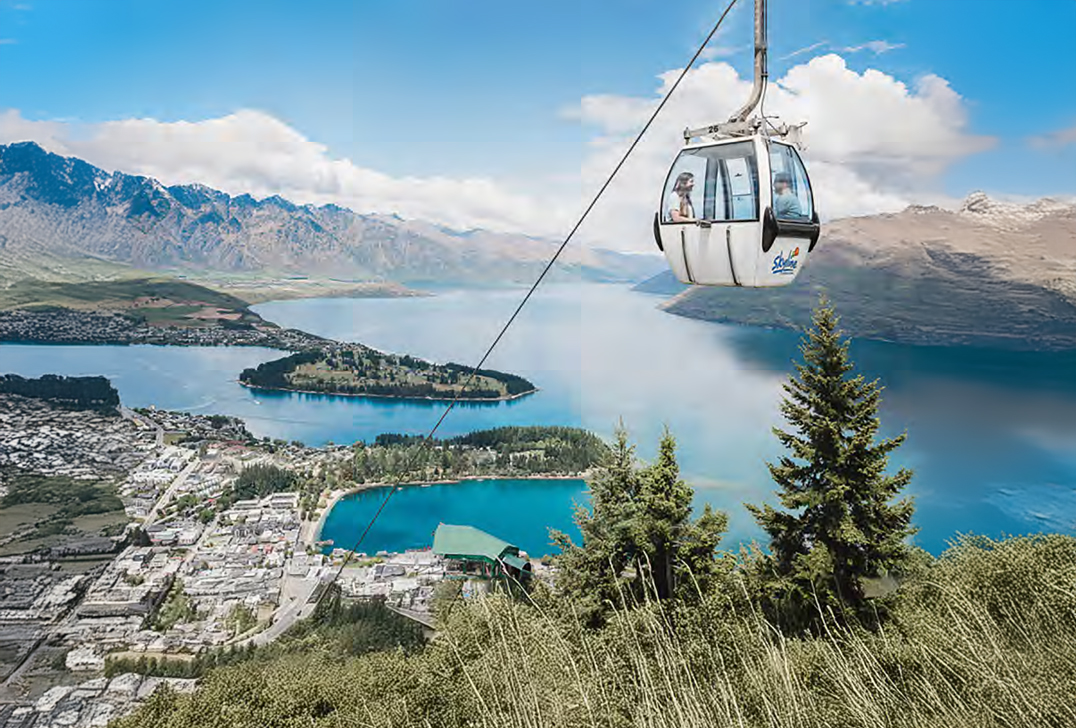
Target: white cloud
column 1055, row 139
column 877, row 47
column 49, row 134
column 250, row 151
column 721, row 51
column 874, row 144
column 807, row 49
column 8, row 41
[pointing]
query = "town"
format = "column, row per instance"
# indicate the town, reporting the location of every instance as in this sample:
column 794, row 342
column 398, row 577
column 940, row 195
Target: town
column 185, row 566
column 67, row 326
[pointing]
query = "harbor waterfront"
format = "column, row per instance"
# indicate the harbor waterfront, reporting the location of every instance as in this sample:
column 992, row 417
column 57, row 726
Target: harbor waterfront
column 990, row 432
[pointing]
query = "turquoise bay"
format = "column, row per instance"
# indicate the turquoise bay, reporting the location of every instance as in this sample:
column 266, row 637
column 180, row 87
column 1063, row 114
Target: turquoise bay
column 518, row 510
column 991, row 434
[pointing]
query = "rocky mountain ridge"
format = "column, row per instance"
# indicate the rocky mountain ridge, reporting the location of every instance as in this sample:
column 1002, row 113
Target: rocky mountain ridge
column 64, row 206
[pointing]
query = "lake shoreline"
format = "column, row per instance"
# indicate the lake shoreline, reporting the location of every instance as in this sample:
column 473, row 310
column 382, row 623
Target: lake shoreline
column 402, row 398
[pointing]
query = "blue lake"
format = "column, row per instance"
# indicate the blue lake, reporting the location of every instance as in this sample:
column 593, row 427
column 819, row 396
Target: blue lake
column 516, row 510
column 991, row 435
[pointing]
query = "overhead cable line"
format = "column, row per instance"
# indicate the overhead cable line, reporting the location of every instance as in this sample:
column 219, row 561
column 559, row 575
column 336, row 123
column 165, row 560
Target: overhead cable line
column 474, row 371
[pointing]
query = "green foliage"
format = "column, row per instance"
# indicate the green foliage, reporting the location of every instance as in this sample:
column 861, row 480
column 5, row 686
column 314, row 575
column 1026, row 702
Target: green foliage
column 177, row 607
column 258, row 481
column 240, row 619
column 513, row 383
column 840, row 526
column 71, row 498
column 365, row 371
column 638, row 538
column 985, row 637
column 74, row 392
column 337, row 629
column 273, row 374
column 516, row 450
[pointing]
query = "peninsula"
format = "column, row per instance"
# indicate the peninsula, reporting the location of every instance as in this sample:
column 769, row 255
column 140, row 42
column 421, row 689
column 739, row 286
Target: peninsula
column 359, row 371
column 172, row 312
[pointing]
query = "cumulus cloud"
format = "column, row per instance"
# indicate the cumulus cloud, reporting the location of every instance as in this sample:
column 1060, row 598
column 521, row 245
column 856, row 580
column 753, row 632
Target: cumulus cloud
column 1055, row 139
column 874, row 144
column 252, row 152
column 49, row 134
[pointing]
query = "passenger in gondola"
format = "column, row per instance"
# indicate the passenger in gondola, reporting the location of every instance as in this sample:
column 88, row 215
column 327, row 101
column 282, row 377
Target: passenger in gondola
column 786, row 205
column 680, row 207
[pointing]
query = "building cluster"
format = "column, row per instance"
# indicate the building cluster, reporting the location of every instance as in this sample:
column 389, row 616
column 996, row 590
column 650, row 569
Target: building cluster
column 35, row 592
column 146, row 484
column 40, row 438
column 32, row 598
column 90, row 704
column 199, row 573
column 113, row 613
column 195, row 427
column 63, row 326
column 405, row 580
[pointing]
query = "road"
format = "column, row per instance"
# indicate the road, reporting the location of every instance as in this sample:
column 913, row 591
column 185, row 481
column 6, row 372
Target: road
column 287, row 615
column 176, row 484
column 128, row 414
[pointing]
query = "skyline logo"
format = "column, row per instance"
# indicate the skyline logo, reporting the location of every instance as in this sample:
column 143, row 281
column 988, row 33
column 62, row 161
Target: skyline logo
column 785, row 266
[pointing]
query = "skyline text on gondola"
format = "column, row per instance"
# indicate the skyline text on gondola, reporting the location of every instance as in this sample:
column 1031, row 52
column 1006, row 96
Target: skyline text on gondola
column 785, row 266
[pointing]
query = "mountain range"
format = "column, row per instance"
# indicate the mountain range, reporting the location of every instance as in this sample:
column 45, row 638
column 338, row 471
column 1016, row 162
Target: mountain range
column 989, row 273
column 59, row 214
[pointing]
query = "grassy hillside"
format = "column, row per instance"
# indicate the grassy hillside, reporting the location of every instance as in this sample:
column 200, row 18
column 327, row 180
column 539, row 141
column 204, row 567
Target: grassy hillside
column 33, row 260
column 153, row 300
column 983, row 636
column 43, row 512
column 111, row 293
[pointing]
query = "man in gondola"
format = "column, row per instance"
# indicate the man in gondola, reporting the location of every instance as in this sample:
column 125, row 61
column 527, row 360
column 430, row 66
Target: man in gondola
column 785, row 204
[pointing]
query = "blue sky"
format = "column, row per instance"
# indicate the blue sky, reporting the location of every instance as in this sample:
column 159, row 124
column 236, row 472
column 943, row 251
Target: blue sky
column 480, row 88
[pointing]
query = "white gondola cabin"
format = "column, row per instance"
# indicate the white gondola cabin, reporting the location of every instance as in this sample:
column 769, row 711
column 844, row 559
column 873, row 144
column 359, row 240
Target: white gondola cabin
column 737, row 212
column 737, row 207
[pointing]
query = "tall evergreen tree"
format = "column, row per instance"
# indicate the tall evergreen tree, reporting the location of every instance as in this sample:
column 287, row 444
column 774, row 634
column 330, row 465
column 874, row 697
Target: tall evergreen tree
column 840, row 525
column 638, row 536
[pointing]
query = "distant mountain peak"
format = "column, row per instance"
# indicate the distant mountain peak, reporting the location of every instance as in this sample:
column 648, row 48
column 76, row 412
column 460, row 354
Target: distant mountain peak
column 1010, row 215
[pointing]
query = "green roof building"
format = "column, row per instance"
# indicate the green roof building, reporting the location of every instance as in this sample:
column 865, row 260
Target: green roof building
column 494, row 558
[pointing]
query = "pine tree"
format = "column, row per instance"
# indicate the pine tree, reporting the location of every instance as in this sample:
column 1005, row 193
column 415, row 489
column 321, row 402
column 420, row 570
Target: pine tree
column 638, row 536
column 840, row 525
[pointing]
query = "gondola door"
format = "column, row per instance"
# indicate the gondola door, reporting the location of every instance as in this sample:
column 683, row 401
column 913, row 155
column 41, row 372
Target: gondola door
column 706, row 237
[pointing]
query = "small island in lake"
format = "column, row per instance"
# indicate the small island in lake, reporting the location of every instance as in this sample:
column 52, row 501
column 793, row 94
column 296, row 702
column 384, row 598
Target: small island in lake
column 359, row 371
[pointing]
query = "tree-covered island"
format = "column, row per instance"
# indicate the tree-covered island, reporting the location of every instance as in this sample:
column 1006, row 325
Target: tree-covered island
column 361, row 371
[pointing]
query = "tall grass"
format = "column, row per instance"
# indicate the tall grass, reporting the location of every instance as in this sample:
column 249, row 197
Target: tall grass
column 984, row 636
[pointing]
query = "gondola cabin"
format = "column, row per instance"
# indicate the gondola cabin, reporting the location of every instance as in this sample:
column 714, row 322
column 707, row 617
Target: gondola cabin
column 737, row 212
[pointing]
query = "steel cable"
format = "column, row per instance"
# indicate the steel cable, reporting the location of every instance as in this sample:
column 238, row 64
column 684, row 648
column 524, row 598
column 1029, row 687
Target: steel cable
column 428, row 439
